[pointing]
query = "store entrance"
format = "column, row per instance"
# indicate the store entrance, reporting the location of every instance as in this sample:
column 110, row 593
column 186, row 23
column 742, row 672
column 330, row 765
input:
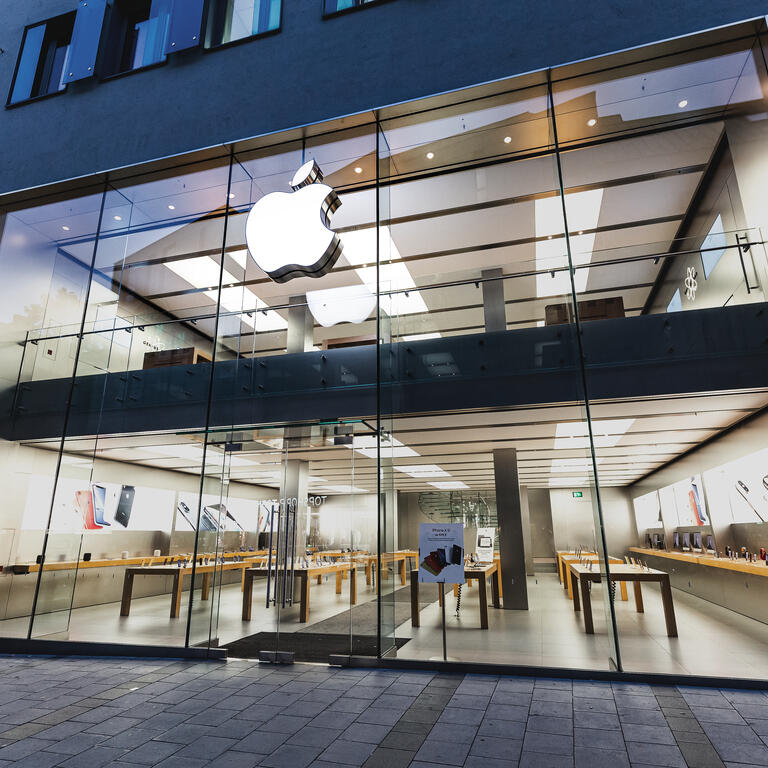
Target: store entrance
column 289, row 516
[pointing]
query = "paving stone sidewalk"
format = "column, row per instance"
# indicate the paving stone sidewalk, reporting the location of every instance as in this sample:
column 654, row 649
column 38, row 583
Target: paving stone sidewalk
column 134, row 713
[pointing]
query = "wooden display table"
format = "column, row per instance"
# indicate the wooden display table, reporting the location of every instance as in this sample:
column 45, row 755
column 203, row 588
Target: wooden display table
column 566, row 558
column 68, row 565
column 178, row 575
column 696, row 558
column 388, row 558
column 581, row 577
column 480, row 573
column 303, row 576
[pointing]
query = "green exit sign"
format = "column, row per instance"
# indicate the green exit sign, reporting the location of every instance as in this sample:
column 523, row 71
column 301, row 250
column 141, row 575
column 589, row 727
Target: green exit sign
column 577, row 494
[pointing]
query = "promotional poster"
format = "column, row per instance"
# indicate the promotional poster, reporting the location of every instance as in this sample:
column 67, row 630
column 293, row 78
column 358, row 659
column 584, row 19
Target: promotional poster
column 441, row 553
column 484, row 544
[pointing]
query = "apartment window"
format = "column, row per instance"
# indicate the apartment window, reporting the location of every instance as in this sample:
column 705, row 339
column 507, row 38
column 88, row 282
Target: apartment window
column 40, row 69
column 230, row 20
column 334, row 6
column 136, row 34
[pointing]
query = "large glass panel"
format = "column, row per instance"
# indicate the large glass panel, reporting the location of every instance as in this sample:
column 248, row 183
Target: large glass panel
column 47, row 252
column 488, row 419
column 661, row 180
column 230, row 20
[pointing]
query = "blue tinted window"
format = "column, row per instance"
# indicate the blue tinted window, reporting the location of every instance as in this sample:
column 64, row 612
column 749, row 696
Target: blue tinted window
column 86, row 36
column 44, row 51
column 676, row 305
column 136, row 36
column 333, row 6
column 184, row 26
column 713, row 247
column 230, row 20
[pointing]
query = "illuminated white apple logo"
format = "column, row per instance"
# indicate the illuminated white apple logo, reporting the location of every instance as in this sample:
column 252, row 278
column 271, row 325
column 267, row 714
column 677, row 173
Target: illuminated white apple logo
column 288, row 233
column 350, row 304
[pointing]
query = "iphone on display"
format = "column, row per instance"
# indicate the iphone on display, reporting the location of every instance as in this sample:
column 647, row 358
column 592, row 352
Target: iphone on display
column 699, row 515
column 125, row 505
column 99, row 493
column 747, row 495
column 84, row 503
column 183, row 510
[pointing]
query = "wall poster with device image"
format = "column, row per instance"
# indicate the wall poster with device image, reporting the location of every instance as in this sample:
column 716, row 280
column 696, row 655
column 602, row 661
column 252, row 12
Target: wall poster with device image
column 742, row 487
column 240, row 515
column 689, row 499
column 441, row 553
column 648, row 511
column 484, row 544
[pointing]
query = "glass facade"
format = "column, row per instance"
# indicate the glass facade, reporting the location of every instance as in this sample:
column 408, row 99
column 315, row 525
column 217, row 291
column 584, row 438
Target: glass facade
column 533, row 308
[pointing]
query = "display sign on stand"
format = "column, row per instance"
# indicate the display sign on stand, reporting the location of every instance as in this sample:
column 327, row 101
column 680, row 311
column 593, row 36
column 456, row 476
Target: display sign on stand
column 441, row 553
column 441, row 560
column 484, row 544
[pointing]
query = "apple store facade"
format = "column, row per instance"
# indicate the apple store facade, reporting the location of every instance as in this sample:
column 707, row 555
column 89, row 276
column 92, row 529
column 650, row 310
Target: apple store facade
column 239, row 385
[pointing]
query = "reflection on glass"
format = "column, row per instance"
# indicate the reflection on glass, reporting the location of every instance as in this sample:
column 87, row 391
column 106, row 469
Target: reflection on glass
column 230, row 20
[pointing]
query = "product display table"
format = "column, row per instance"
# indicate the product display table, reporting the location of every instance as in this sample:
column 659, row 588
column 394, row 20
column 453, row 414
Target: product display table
column 695, row 558
column 303, row 576
column 564, row 559
column 68, row 565
column 480, row 573
column 581, row 577
column 388, row 558
column 178, row 575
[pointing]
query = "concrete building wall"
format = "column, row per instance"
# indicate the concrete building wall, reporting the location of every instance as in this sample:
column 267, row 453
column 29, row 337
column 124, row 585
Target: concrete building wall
column 312, row 70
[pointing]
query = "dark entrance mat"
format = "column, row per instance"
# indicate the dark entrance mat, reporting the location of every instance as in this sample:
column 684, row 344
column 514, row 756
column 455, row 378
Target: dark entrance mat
column 332, row 636
column 306, row 646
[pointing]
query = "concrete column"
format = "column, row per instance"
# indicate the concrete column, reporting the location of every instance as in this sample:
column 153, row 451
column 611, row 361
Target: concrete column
column 526, row 522
column 300, row 326
column 493, row 301
column 511, row 536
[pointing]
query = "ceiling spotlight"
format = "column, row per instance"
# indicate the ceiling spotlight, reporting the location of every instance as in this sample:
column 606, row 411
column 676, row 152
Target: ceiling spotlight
column 592, row 122
column 581, row 231
column 117, row 218
column 231, row 195
column 171, row 207
column 358, row 169
column 65, row 227
column 507, row 139
column 682, row 104
column 430, row 155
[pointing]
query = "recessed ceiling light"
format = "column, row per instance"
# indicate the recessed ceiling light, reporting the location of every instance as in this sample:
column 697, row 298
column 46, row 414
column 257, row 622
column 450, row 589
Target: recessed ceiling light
column 117, row 218
column 450, row 486
column 682, row 104
column 358, row 169
column 592, row 122
column 171, row 207
column 65, row 227
column 430, row 155
column 231, row 195
column 507, row 139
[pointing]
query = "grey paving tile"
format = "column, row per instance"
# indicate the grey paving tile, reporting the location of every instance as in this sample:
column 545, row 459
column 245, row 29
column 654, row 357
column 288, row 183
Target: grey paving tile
column 207, row 747
column 738, row 752
column 542, row 760
column 649, row 734
column 181, row 762
column 455, row 732
column 342, row 704
column 151, row 752
column 624, row 701
column 550, row 694
column 28, row 729
column 130, row 739
column 367, row 732
column 75, row 744
column 186, row 733
column 235, row 760
column 602, row 720
column 467, row 701
column 555, row 744
column 514, row 698
column 287, row 723
column 261, row 742
column 347, row 752
column 700, row 755
column 383, row 757
column 594, row 705
column 378, row 716
column 498, row 748
column 309, row 736
column 506, row 729
column 291, row 756
column 403, row 740
column 596, row 738
column 36, row 760
column 642, row 717
column 547, row 724
column 507, row 712
column 95, row 757
column 655, row 754
column 113, row 725
column 717, row 715
column 328, row 719
column 590, row 757
column 552, row 708
column 442, row 752
column 720, row 733
column 473, row 761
